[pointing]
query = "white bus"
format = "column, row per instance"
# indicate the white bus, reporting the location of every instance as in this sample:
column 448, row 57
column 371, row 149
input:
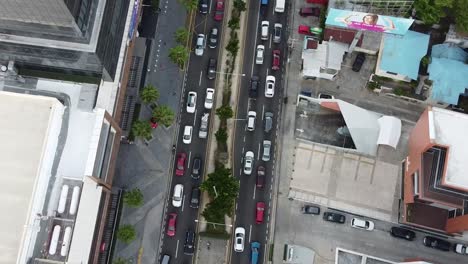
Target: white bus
column 279, row 6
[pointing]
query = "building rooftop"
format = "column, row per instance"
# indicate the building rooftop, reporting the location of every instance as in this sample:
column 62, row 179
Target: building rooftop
column 30, row 127
column 402, row 54
column 448, row 72
column 449, row 128
column 317, row 61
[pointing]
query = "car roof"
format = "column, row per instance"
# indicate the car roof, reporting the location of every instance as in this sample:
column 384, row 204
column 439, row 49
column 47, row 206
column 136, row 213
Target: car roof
column 240, row 230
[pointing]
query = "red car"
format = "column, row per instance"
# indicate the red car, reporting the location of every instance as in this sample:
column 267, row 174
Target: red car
column 171, row 224
column 219, row 10
column 260, row 177
column 260, row 212
column 180, row 168
column 276, row 60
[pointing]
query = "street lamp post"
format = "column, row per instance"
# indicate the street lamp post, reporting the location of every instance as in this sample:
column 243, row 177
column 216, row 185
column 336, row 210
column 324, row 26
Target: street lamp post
column 227, row 73
column 207, row 222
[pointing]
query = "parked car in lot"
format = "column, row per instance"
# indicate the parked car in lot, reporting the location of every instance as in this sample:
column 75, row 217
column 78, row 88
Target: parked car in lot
column 219, row 10
column 203, row 131
column 276, row 62
column 266, row 150
column 461, row 249
column 239, row 235
column 309, row 11
column 209, row 98
column 268, row 124
column 180, row 167
column 362, row 224
column 436, row 243
column 334, row 217
column 196, row 168
column 195, row 197
column 278, row 28
column 203, row 6
column 359, row 61
column 187, row 137
column 189, row 246
column 171, row 224
column 211, row 69
column 248, row 162
column 178, row 195
column 191, row 102
column 255, row 248
column 260, row 181
column 213, row 38
column 270, row 86
column 200, row 46
column 254, row 83
column 311, row 209
column 259, row 57
column 259, row 212
column 402, row 233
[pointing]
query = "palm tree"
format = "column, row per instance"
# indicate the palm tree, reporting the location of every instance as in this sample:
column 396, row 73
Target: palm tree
column 179, row 55
column 189, row 4
column 163, row 115
column 182, row 35
column 149, row 94
column 133, row 198
column 141, row 129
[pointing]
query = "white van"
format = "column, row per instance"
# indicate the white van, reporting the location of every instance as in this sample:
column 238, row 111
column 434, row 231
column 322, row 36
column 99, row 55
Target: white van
column 264, row 30
column 279, row 6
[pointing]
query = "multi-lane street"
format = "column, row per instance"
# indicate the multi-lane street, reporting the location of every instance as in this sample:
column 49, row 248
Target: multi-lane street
column 195, row 80
column 245, row 140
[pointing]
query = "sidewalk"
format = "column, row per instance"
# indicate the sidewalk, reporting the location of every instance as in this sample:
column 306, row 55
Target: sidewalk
column 146, row 166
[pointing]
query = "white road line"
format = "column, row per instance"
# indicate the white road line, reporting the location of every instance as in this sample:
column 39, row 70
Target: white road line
column 270, row 41
column 250, row 233
column 199, row 81
column 263, row 111
column 189, row 155
column 256, row 36
column 236, row 206
column 242, row 151
column 270, row 195
column 183, row 202
column 255, row 188
column 258, row 152
column 244, row 138
column 240, row 172
column 177, row 248
column 209, row 4
column 194, row 120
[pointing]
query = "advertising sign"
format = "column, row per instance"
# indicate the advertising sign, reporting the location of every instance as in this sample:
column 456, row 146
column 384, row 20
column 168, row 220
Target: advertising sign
column 368, row 21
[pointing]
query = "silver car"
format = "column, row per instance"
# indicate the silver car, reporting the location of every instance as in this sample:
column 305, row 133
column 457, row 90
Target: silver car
column 200, row 47
column 268, row 121
column 266, row 150
column 248, row 162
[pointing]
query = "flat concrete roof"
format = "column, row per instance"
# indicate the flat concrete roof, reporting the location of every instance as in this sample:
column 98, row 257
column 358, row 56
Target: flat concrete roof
column 26, row 121
column 449, row 128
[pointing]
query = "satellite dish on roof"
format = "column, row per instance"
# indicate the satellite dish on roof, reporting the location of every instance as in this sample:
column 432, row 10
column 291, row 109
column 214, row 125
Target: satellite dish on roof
column 3, row 68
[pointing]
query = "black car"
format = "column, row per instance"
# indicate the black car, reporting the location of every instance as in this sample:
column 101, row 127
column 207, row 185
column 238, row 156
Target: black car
column 402, row 233
column 359, row 61
column 211, row 71
column 195, row 197
column 311, row 209
column 334, row 217
column 189, row 246
column 203, row 6
column 213, row 38
column 196, row 168
column 254, row 83
column 260, row 181
column 436, row 243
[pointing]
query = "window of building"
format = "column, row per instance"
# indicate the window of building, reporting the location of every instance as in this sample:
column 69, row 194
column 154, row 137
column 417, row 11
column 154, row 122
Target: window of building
column 416, row 183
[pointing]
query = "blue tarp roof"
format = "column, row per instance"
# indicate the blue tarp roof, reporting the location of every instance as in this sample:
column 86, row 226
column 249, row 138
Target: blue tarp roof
column 448, row 72
column 402, row 54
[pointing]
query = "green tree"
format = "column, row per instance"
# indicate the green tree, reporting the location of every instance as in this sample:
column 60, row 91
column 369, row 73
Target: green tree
column 223, row 188
column 120, row 260
column 164, row 115
column 240, row 5
column 431, row 11
column 234, row 23
column 221, row 135
column 233, row 45
column 126, row 234
column 133, row 198
column 182, row 35
column 149, row 94
column 189, row 4
column 461, row 14
column 224, row 112
column 141, row 129
column 214, row 213
column 179, row 55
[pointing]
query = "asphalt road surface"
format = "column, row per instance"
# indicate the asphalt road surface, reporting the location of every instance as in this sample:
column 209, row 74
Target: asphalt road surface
column 245, row 140
column 197, row 81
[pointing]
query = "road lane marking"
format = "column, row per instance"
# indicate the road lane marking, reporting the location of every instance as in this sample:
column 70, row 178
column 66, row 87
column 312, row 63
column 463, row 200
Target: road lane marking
column 209, row 11
column 255, row 44
column 177, row 248
column 244, row 138
column 250, row 233
column 183, row 202
column 189, row 155
column 258, row 152
column 270, row 41
column 199, row 81
column 255, row 188
column 194, row 120
column 263, row 111
column 268, row 70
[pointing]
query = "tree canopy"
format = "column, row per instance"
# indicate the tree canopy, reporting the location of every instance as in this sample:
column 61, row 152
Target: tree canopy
column 149, row 94
column 141, row 129
column 164, row 115
column 133, row 198
column 126, row 233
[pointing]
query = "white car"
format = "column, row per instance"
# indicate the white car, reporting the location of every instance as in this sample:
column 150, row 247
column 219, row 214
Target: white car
column 461, row 249
column 270, row 86
column 251, row 117
column 260, row 52
column 191, row 102
column 209, row 98
column 264, row 34
column 178, row 195
column 239, row 238
column 200, row 47
column 248, row 162
column 203, row 131
column 362, row 224
column 187, row 138
column 266, row 150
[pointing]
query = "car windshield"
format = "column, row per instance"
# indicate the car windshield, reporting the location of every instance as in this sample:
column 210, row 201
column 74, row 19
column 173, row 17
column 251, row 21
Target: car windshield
column 186, row 136
column 180, row 166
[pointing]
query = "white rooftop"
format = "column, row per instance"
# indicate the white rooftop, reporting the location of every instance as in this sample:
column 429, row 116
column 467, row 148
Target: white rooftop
column 29, row 128
column 450, row 128
column 328, row 55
